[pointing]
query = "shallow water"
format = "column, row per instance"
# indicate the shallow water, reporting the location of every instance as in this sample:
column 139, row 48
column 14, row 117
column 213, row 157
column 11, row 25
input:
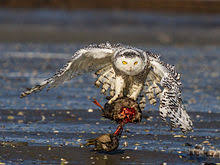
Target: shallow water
column 60, row 117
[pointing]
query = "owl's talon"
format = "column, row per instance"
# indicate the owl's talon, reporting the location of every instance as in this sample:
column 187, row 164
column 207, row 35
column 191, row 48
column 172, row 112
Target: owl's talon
column 133, row 98
column 110, row 101
column 113, row 99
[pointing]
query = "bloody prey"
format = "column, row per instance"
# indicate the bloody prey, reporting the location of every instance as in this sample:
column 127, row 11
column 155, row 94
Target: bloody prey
column 122, row 111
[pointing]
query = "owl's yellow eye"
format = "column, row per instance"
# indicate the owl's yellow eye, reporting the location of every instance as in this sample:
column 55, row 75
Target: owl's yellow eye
column 124, row 62
column 135, row 63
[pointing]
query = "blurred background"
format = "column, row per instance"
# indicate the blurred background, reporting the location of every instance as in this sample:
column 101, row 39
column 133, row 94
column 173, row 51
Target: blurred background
column 143, row 21
column 39, row 36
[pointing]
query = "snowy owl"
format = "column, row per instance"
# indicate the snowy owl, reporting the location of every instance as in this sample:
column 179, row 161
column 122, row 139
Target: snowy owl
column 125, row 71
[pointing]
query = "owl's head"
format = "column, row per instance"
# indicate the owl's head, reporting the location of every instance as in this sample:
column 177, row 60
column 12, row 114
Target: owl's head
column 130, row 61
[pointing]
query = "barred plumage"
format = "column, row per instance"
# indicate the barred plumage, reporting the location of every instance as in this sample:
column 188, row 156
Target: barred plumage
column 125, row 71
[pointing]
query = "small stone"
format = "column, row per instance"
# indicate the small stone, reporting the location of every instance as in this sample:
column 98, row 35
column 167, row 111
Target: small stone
column 146, row 130
column 125, row 144
column 123, row 136
column 182, row 136
column 136, row 144
column 20, row 121
column 10, row 117
column 90, row 110
column 20, row 113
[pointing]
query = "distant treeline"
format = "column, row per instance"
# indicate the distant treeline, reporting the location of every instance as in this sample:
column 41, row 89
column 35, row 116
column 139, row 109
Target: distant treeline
column 201, row 6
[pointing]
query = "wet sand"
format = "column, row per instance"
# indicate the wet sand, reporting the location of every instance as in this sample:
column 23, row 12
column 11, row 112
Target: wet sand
column 53, row 136
column 74, row 155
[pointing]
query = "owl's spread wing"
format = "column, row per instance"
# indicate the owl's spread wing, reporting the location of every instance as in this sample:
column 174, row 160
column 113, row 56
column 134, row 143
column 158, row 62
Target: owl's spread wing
column 171, row 105
column 84, row 60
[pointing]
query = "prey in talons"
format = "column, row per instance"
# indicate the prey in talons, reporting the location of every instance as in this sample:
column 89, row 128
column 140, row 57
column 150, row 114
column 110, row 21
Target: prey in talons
column 122, row 111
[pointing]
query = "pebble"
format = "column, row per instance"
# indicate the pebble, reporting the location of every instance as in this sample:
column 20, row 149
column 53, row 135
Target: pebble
column 123, row 136
column 136, row 144
column 20, row 121
column 90, row 110
column 146, row 130
column 63, row 161
column 10, row 117
column 125, row 144
column 182, row 136
column 20, row 113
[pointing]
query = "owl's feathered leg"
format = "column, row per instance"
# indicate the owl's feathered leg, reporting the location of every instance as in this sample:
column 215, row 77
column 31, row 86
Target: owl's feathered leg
column 135, row 90
column 112, row 88
column 119, row 86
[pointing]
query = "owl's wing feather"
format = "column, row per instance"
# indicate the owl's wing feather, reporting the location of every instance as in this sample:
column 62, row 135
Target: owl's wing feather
column 84, row 60
column 170, row 98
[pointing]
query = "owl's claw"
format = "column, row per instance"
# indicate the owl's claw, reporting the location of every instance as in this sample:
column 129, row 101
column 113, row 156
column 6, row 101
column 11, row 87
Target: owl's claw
column 113, row 99
column 132, row 97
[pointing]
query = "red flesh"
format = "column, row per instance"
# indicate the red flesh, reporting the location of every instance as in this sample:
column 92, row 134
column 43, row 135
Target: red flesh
column 127, row 113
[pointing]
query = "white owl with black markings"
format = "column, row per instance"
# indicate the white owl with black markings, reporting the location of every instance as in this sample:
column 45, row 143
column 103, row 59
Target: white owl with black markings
column 130, row 72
